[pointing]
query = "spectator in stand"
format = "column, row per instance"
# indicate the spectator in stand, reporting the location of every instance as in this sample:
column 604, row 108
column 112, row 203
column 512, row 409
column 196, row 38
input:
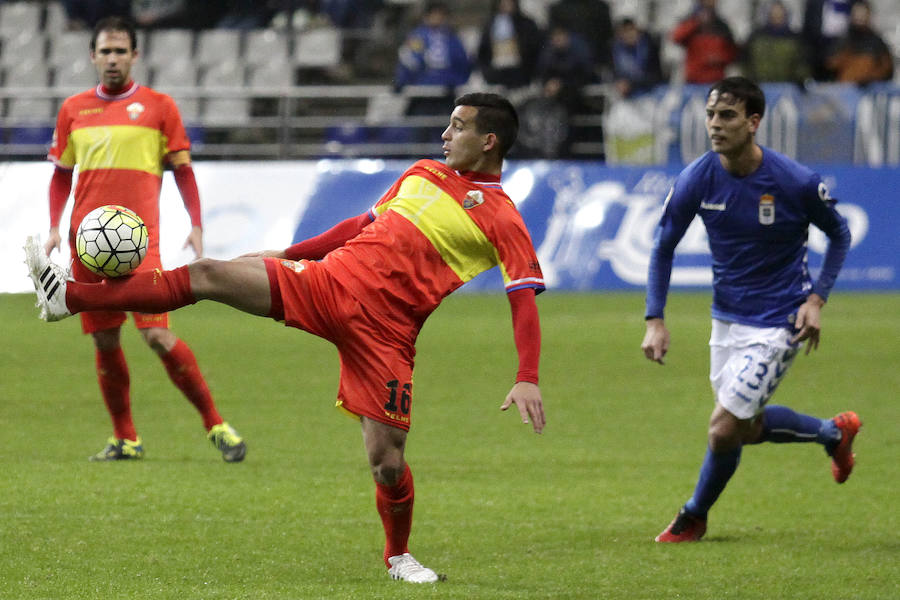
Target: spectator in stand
column 84, row 14
column 861, row 56
column 509, row 47
column 824, row 23
column 351, row 14
column 432, row 55
column 591, row 20
column 248, row 14
column 774, row 52
column 635, row 60
column 565, row 66
column 708, row 43
column 190, row 14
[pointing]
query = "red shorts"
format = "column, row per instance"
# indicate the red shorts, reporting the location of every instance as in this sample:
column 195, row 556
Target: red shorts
column 99, row 320
column 376, row 354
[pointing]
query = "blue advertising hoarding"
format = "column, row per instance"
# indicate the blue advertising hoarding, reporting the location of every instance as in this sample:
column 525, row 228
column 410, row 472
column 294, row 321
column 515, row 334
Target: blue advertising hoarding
column 592, row 225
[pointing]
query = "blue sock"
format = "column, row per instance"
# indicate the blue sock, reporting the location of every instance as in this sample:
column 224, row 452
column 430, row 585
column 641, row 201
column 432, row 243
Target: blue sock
column 783, row 425
column 717, row 469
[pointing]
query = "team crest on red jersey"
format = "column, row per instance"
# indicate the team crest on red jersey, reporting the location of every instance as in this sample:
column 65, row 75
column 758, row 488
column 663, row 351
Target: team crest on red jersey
column 134, row 110
column 295, row 266
column 473, row 198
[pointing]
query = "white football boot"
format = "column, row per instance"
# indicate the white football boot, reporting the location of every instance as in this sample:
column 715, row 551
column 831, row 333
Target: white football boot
column 49, row 281
column 406, row 568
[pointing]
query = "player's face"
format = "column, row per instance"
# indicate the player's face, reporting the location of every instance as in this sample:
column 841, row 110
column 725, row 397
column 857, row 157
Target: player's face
column 464, row 148
column 729, row 127
column 113, row 57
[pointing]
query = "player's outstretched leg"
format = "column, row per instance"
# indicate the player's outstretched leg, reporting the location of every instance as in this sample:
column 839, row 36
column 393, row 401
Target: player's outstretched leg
column 406, row 568
column 49, row 281
column 841, row 452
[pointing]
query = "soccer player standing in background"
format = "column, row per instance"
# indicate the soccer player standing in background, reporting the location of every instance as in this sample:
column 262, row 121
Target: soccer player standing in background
column 122, row 135
column 367, row 285
column 757, row 206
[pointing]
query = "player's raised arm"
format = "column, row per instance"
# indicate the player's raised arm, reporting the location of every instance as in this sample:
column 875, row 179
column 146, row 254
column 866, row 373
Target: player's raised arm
column 526, row 394
column 317, row 247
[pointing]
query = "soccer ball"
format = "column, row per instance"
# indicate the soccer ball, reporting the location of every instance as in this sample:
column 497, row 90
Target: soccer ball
column 111, row 241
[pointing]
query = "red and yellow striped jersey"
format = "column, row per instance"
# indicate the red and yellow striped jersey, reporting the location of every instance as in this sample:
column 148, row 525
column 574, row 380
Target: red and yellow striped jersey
column 119, row 143
column 434, row 230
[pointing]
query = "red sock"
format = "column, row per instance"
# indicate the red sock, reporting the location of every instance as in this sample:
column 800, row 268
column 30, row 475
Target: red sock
column 149, row 292
column 181, row 365
column 112, row 373
column 395, row 505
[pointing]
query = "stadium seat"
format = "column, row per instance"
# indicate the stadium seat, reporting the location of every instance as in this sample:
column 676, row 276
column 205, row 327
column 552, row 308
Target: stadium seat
column 217, row 45
column 317, row 48
column 27, row 73
column 174, row 76
column 75, row 75
column 56, row 19
column 668, row 14
column 220, row 108
column 739, row 16
column 25, row 43
column 269, row 75
column 637, row 10
column 537, row 10
column 68, row 46
column 169, row 45
column 264, row 46
column 16, row 17
column 32, row 110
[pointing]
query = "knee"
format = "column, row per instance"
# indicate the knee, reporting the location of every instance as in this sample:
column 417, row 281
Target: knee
column 204, row 272
column 722, row 437
column 160, row 340
column 388, row 472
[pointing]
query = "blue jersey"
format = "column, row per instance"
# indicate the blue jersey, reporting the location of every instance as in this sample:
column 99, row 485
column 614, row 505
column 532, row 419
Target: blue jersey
column 757, row 228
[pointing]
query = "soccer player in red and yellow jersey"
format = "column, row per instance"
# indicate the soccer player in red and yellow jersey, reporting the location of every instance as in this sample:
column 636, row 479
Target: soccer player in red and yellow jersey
column 121, row 135
column 367, row 285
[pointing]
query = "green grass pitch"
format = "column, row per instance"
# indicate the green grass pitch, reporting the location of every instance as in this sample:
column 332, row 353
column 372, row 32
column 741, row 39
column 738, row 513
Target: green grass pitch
column 505, row 513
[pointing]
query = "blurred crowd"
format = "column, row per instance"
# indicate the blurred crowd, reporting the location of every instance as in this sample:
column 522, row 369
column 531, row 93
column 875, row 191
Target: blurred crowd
column 546, row 67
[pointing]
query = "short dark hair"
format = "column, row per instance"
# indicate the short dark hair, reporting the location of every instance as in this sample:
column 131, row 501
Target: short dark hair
column 114, row 24
column 742, row 89
column 495, row 115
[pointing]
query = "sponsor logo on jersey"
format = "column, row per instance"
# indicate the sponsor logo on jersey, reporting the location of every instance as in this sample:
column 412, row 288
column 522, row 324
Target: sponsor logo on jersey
column 441, row 175
column 712, row 206
column 473, row 198
column 824, row 194
column 134, row 110
column 767, row 209
column 90, row 111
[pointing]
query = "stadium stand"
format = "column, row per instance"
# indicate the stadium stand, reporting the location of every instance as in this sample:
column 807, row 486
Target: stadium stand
column 303, row 77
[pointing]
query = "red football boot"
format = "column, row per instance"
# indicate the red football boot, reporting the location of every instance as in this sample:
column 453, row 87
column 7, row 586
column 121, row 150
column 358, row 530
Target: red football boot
column 842, row 454
column 684, row 528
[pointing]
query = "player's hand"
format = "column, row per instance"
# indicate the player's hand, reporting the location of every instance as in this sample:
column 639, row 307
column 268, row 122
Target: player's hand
column 656, row 340
column 195, row 241
column 53, row 241
column 527, row 398
column 808, row 322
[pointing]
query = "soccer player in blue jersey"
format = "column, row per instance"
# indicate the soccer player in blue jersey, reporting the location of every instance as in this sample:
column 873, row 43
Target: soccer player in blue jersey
column 756, row 205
